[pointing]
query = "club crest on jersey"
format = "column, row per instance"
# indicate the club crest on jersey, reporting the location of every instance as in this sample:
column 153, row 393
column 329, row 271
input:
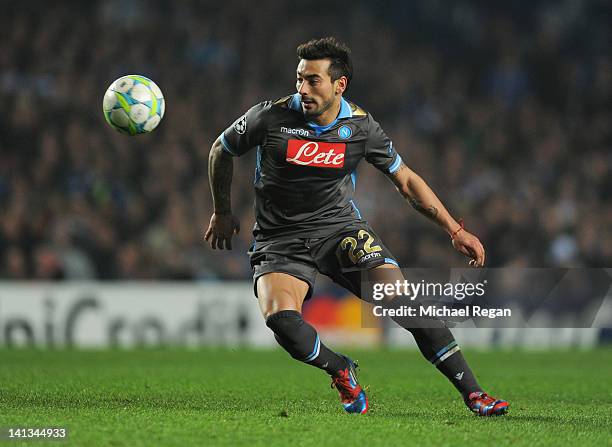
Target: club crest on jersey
column 345, row 132
column 316, row 154
column 240, row 125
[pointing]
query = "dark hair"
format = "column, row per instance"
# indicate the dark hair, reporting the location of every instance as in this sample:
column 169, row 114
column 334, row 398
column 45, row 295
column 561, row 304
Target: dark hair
column 329, row 48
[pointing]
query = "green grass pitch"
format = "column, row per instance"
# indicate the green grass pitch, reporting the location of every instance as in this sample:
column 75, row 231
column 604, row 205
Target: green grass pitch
column 250, row 397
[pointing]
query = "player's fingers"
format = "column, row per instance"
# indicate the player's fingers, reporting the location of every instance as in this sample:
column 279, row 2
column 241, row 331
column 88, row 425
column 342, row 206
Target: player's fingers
column 227, row 242
column 213, row 242
column 475, row 252
column 473, row 256
column 480, row 254
column 207, row 234
column 478, row 259
column 222, row 242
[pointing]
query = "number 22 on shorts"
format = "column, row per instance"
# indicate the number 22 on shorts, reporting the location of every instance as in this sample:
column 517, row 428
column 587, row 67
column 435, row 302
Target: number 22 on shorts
column 351, row 243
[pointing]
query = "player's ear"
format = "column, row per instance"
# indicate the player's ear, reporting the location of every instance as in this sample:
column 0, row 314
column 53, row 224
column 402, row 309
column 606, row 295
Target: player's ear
column 341, row 84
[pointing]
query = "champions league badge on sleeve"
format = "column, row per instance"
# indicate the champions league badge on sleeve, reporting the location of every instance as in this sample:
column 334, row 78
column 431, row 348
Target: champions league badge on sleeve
column 345, row 132
column 240, row 125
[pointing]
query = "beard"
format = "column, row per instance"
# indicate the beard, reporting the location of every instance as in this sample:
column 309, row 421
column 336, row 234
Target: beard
column 319, row 110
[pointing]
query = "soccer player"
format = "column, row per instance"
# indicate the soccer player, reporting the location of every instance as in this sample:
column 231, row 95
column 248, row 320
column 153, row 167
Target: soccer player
column 308, row 146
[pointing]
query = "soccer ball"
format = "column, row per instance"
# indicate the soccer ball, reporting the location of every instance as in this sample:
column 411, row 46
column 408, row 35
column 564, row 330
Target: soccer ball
column 133, row 105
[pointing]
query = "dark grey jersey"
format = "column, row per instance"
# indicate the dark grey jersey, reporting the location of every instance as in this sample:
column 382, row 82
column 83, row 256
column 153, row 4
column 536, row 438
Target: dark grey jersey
column 305, row 173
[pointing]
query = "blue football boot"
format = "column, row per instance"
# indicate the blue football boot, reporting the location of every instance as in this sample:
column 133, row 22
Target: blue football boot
column 353, row 397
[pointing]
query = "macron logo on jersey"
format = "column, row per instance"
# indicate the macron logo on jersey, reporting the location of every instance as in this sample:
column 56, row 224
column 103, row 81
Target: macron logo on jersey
column 317, row 154
column 300, row 132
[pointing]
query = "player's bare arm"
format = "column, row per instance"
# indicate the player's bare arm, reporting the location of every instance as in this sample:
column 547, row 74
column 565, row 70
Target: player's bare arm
column 421, row 197
column 223, row 224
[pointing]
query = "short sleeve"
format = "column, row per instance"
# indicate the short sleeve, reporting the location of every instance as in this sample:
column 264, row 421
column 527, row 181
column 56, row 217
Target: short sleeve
column 246, row 132
column 379, row 149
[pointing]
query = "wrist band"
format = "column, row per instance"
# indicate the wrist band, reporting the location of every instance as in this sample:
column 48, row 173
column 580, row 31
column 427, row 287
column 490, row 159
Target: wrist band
column 454, row 233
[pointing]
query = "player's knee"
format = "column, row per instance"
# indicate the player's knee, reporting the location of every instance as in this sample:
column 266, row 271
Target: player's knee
column 274, row 304
column 277, row 292
column 284, row 322
column 292, row 333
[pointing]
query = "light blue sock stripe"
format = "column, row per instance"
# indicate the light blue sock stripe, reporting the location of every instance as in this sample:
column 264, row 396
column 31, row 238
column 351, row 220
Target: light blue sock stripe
column 391, row 261
column 441, row 352
column 315, row 352
column 446, row 355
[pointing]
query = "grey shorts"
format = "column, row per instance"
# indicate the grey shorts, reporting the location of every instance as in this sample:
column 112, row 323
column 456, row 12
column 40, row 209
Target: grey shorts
column 342, row 257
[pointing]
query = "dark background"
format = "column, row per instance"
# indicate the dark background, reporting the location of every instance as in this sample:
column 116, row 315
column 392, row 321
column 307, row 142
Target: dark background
column 504, row 109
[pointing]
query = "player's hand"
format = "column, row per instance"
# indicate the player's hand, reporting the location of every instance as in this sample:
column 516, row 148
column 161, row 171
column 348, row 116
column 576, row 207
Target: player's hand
column 220, row 231
column 468, row 244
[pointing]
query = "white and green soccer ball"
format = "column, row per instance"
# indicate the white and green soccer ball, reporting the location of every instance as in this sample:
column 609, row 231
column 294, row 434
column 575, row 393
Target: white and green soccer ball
column 133, row 105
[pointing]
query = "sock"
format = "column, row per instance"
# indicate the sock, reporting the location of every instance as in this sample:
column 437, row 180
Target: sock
column 438, row 346
column 302, row 342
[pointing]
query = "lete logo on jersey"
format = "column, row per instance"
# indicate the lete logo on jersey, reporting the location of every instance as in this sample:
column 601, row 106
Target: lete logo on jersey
column 320, row 155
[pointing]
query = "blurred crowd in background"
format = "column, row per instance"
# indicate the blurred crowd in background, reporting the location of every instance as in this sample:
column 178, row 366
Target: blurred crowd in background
column 504, row 108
